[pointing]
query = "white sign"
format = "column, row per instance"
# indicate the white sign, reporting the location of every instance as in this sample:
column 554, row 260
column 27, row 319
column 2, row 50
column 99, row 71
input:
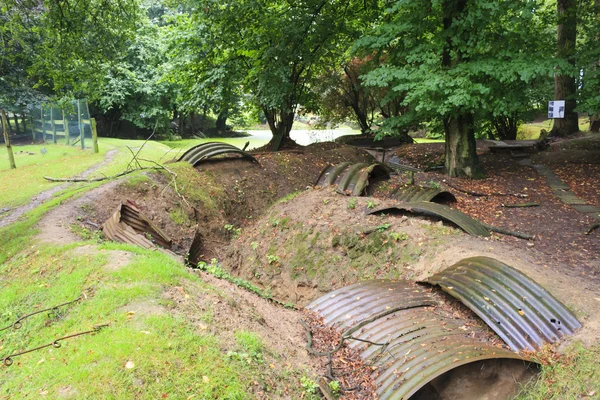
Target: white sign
column 556, row 109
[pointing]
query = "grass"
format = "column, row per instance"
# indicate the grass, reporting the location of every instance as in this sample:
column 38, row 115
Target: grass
column 572, row 375
column 62, row 161
column 165, row 353
column 145, row 352
column 531, row 131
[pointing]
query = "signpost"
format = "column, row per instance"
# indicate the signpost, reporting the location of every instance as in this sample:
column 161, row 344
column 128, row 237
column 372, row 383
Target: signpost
column 556, row 109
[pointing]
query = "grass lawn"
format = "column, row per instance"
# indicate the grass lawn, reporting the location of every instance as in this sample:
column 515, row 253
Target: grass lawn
column 61, row 161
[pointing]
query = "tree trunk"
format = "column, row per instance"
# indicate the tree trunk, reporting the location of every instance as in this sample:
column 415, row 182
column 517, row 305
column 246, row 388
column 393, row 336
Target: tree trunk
column 564, row 81
column 595, row 123
column 6, row 131
column 192, row 129
column 16, row 118
column 280, row 123
column 221, row 123
column 461, row 155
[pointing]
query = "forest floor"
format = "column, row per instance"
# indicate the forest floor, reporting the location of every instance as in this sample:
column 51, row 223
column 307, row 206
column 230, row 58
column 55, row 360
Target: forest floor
column 268, row 227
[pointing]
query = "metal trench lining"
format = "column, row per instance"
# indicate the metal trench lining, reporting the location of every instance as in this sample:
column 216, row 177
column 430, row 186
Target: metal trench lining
column 517, row 308
column 128, row 225
column 462, row 220
column 204, row 151
column 414, row 193
column 420, row 344
column 353, row 178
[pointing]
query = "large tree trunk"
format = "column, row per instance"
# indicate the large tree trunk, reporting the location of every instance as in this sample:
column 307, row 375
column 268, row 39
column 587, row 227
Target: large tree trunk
column 280, row 123
column 564, row 81
column 595, row 123
column 221, row 123
column 461, row 154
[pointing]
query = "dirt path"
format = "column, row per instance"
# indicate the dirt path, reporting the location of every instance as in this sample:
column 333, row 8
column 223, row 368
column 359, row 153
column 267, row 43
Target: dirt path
column 46, row 195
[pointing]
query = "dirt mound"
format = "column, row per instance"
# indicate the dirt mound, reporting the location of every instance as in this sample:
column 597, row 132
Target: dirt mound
column 320, row 241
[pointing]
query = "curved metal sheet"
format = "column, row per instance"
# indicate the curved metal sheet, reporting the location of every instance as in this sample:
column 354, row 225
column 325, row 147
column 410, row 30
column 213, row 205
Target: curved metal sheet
column 204, row 151
column 128, row 225
column 352, row 178
column 517, row 308
column 412, row 193
column 462, row 220
column 402, row 334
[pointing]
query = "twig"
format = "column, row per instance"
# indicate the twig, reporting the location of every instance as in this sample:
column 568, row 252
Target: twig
column 142, row 146
column 104, row 178
column 521, row 205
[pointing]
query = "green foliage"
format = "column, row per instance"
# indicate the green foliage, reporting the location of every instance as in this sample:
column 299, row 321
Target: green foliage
column 439, row 71
column 351, row 203
column 398, row 236
column 371, row 204
column 572, row 375
column 273, row 259
column 383, row 227
column 309, row 385
column 336, row 387
column 233, row 231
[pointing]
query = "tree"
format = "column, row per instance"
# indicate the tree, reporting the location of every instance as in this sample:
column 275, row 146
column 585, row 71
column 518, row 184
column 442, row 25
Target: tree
column 444, row 61
column 588, row 57
column 564, row 78
column 344, row 97
column 282, row 47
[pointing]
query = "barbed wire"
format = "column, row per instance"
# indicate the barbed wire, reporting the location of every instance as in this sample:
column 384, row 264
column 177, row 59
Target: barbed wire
column 8, row 360
column 19, row 322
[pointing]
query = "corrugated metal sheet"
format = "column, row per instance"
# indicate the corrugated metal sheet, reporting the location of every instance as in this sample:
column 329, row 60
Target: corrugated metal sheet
column 517, row 308
column 402, row 167
column 410, row 343
column 194, row 255
column 128, row 225
column 353, row 178
column 412, row 193
column 462, row 220
column 204, row 151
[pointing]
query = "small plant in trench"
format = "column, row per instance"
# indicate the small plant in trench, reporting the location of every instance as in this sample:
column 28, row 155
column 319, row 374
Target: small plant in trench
column 273, row 259
column 309, row 385
column 233, row 231
column 398, row 236
column 352, row 203
column 434, row 184
column 335, row 387
column 383, row 227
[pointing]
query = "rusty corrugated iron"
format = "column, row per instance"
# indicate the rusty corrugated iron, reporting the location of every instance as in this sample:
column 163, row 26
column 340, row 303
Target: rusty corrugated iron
column 516, row 307
column 128, row 225
column 204, row 151
column 352, row 178
column 462, row 220
column 412, row 193
column 402, row 334
column 194, row 255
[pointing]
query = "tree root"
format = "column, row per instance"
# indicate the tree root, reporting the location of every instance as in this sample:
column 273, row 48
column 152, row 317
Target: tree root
column 519, row 235
column 592, row 228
